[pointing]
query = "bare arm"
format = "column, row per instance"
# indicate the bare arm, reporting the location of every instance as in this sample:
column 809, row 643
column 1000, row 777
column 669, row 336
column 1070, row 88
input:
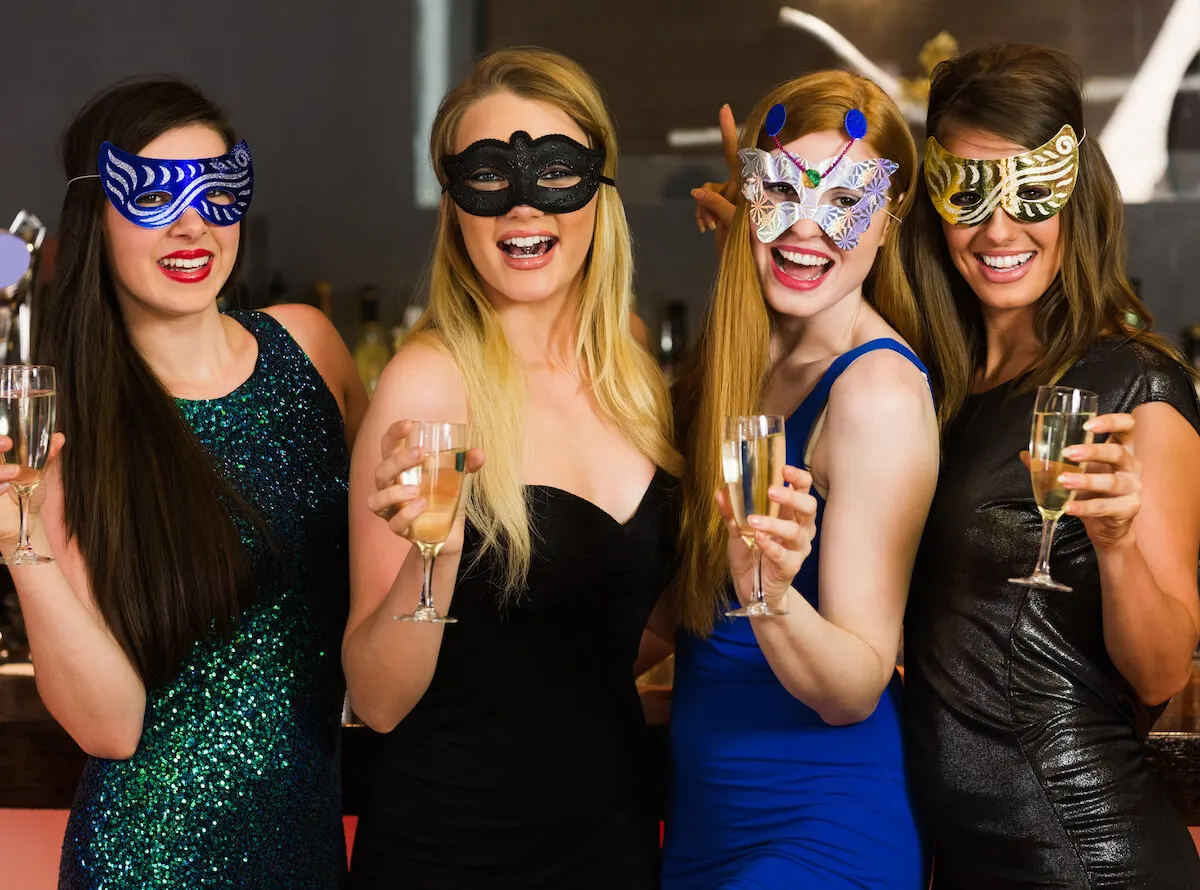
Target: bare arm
column 658, row 639
column 880, row 445
column 390, row 663
column 325, row 348
column 83, row 676
column 1143, row 517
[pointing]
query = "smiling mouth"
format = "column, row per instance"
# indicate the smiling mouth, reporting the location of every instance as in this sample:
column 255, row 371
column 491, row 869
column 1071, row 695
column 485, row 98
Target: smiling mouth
column 801, row 266
column 179, row 264
column 527, row 246
column 1006, row 263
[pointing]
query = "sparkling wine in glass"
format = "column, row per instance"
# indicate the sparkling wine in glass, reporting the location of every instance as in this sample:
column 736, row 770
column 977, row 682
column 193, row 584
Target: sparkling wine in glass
column 1059, row 417
column 439, row 477
column 27, row 405
column 753, row 454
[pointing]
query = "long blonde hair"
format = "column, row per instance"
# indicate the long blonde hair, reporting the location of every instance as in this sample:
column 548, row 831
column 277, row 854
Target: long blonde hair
column 625, row 381
column 729, row 368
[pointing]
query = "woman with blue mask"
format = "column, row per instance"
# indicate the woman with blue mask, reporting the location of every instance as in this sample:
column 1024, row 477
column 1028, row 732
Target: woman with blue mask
column 185, row 633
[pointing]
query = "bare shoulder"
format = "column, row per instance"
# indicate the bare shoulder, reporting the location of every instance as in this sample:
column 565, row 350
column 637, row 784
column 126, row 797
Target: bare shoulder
column 882, row 395
column 423, row 381
column 308, row 325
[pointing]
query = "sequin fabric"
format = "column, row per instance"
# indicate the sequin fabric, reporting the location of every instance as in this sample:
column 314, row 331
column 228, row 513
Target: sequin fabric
column 236, row 779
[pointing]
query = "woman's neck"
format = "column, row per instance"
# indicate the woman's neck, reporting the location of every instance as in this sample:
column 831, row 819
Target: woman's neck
column 195, row 355
column 802, row 341
column 1012, row 346
column 541, row 334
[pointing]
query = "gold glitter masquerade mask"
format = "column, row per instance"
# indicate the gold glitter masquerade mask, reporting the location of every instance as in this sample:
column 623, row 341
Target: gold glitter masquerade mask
column 1030, row 187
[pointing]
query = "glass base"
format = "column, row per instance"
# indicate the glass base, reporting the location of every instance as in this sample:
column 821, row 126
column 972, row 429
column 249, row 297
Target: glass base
column 426, row 613
column 1043, row 582
column 28, row 558
column 755, row 610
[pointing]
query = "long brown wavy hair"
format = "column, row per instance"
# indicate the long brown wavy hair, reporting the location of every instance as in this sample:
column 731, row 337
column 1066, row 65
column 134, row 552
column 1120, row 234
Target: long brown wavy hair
column 1025, row 93
column 143, row 499
column 728, row 368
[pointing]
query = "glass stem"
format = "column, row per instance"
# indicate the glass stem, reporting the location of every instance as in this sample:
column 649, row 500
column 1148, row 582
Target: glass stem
column 759, row 596
column 23, row 545
column 429, row 554
column 1043, row 563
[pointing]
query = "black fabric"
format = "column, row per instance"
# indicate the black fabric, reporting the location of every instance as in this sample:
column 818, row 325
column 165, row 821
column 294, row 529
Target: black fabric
column 1025, row 743
column 525, row 765
column 522, row 165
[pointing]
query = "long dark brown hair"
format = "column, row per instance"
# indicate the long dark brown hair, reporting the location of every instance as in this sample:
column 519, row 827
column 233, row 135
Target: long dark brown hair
column 1024, row 93
column 144, row 501
column 726, row 371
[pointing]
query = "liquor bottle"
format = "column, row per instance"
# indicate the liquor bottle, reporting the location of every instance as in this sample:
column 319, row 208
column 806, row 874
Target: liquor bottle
column 412, row 314
column 672, row 339
column 370, row 352
column 323, row 291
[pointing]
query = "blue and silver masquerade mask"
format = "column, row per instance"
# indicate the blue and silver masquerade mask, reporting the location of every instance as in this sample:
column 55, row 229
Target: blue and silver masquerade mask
column 153, row 193
column 553, row 173
column 839, row 197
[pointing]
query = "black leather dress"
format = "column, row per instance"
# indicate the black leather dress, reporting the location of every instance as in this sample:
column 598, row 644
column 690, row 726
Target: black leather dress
column 1025, row 742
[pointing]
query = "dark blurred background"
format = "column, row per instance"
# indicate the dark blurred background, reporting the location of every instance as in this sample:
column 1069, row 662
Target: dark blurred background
column 331, row 97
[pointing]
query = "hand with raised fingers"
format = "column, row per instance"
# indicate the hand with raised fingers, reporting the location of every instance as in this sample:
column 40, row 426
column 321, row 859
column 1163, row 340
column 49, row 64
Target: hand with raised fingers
column 715, row 200
column 785, row 540
column 400, row 504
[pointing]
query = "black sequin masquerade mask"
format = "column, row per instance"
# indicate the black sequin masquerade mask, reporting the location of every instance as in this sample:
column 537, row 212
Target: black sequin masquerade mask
column 553, row 173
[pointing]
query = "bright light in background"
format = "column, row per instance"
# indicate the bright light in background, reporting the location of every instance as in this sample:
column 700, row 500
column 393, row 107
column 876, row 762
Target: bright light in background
column 431, row 81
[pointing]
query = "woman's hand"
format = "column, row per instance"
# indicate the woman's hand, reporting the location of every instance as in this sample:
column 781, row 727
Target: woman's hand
column 1110, row 484
column 9, row 520
column 714, row 200
column 785, row 540
column 399, row 504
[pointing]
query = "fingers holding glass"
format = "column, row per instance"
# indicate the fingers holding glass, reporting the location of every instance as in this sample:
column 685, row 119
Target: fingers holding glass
column 28, row 399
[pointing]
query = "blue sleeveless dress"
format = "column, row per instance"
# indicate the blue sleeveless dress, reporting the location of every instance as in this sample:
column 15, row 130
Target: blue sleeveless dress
column 236, row 779
column 766, row 795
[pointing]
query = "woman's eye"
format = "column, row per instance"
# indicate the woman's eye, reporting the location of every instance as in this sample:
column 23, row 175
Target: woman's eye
column 487, row 180
column 783, row 190
column 1033, row 193
column 152, row 199
column 965, row 199
column 844, row 200
column 558, row 177
column 219, row 197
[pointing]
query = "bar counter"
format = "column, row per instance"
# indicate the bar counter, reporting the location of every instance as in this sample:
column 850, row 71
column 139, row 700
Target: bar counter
column 40, row 764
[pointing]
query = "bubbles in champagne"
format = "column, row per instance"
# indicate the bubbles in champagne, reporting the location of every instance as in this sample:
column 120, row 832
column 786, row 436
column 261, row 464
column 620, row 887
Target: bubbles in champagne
column 751, row 466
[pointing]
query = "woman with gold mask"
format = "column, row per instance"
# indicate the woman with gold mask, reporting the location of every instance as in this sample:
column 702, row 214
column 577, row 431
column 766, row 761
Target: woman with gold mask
column 1027, row 698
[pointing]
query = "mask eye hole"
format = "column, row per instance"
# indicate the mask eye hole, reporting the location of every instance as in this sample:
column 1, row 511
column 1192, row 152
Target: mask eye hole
column 558, row 176
column 220, row 197
column 782, row 191
column 1033, row 193
column 843, row 199
column 486, row 179
column 965, row 199
column 152, row 199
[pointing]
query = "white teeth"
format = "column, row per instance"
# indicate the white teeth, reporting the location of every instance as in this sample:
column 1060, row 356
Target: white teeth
column 1006, row 262
column 529, row 241
column 181, row 264
column 802, row 259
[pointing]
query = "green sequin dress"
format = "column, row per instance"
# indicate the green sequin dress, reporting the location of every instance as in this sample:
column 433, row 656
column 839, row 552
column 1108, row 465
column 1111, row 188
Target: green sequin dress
column 236, row 779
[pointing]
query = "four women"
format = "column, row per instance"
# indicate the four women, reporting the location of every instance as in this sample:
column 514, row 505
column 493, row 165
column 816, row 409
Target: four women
column 186, row 634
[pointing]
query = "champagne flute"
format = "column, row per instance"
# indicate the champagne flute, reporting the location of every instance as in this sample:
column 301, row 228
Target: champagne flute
column 753, row 454
column 1059, row 416
column 440, row 477
column 27, row 403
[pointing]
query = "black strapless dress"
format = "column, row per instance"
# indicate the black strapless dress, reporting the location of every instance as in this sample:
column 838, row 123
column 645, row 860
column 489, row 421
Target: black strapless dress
column 1025, row 743
column 525, row 765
